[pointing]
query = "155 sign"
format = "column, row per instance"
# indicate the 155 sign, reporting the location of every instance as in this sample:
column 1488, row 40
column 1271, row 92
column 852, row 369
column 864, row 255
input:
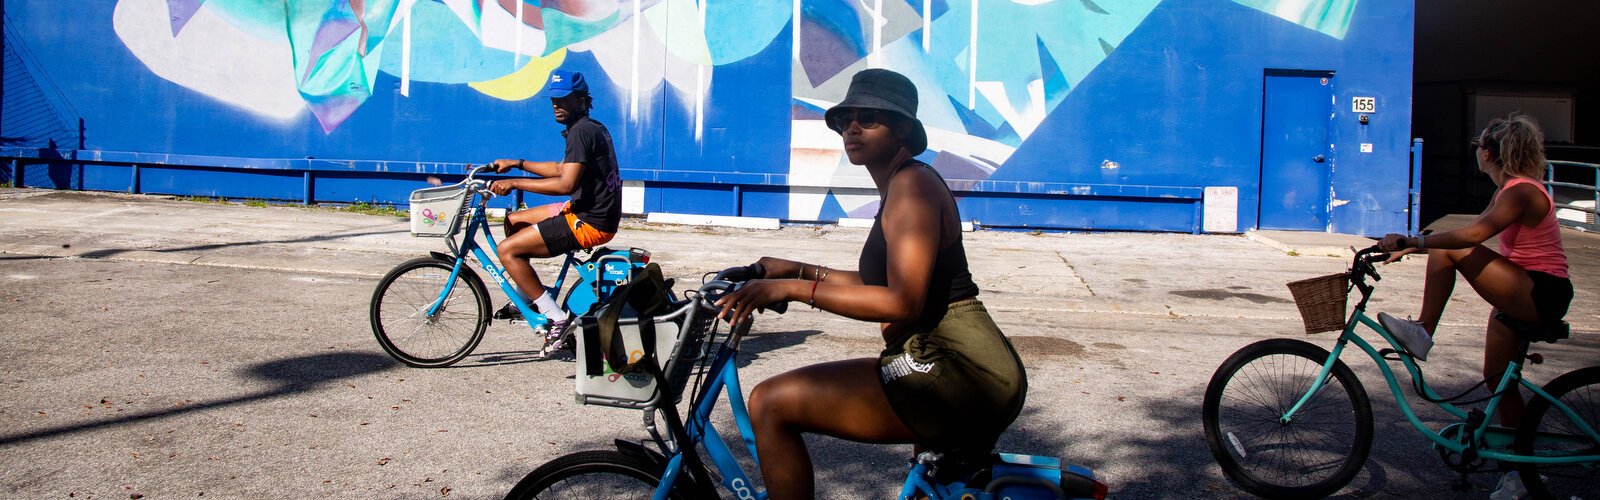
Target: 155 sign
column 1363, row 105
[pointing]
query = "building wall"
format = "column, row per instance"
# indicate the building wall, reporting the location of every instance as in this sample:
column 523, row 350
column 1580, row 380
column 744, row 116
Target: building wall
column 1059, row 114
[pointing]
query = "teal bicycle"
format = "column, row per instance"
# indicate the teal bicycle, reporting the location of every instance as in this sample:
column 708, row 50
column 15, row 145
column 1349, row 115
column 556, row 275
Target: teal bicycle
column 690, row 345
column 433, row 311
column 1287, row 419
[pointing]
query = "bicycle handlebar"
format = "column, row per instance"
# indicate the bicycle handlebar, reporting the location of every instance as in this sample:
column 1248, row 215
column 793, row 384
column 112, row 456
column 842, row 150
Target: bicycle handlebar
column 1362, row 266
column 737, row 276
column 1373, row 254
column 478, row 185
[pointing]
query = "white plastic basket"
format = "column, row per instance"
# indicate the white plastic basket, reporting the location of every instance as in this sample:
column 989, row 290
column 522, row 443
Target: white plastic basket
column 436, row 211
column 677, row 355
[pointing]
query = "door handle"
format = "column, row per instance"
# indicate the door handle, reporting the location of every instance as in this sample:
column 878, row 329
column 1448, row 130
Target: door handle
column 1319, row 159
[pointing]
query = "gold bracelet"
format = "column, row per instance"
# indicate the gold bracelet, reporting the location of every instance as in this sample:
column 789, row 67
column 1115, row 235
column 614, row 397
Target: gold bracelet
column 824, row 274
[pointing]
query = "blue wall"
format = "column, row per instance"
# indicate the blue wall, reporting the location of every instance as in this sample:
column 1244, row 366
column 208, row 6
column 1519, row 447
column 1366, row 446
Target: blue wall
column 719, row 117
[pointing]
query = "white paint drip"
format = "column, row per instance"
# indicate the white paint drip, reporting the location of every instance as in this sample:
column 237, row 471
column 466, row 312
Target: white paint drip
column 405, row 54
column 516, row 53
column 972, row 60
column 878, row 21
column 700, row 88
column 794, row 43
column 633, row 68
column 927, row 25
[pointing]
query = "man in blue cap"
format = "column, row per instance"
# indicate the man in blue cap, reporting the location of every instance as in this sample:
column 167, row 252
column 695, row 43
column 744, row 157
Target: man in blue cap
column 588, row 174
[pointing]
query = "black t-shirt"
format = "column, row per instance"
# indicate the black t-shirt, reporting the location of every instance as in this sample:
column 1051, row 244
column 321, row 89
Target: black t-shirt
column 598, row 199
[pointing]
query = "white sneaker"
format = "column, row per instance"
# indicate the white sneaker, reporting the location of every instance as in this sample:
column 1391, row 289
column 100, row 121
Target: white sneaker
column 1510, row 488
column 1410, row 334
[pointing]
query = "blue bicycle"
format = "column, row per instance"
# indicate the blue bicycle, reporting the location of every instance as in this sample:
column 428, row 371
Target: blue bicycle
column 691, row 344
column 432, row 311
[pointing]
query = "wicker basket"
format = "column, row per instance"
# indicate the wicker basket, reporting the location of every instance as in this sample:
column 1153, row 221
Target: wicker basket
column 1321, row 301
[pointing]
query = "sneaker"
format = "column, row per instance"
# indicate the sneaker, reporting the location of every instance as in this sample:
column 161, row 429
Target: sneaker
column 1509, row 488
column 1410, row 334
column 558, row 329
column 555, row 336
column 509, row 311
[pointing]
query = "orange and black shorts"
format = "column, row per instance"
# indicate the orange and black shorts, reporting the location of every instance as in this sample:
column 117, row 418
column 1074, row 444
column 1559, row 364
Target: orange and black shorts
column 564, row 232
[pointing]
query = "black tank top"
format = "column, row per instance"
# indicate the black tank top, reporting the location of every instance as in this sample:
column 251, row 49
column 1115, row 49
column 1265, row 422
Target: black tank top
column 950, row 282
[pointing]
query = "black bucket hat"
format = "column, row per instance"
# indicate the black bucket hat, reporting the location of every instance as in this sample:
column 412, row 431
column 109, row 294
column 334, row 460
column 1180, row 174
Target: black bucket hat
column 885, row 90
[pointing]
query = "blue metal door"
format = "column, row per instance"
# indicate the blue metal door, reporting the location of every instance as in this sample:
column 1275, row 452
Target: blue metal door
column 1295, row 189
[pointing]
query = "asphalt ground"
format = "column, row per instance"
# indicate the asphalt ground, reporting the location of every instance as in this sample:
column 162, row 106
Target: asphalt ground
column 160, row 348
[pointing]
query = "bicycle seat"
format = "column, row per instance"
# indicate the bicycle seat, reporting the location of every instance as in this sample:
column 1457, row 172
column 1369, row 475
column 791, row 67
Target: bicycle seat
column 1535, row 332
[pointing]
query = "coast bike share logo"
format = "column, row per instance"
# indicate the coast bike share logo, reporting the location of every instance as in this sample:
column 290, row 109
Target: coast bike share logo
column 431, row 218
column 633, row 357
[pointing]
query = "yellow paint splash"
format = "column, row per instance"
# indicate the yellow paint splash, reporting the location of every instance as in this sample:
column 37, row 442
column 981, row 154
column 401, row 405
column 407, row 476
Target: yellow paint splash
column 525, row 82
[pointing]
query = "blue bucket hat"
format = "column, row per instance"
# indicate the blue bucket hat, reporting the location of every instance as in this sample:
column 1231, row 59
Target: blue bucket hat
column 563, row 82
column 885, row 90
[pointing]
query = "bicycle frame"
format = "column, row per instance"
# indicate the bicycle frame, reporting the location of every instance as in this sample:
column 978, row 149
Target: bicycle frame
column 478, row 224
column 723, row 376
column 1496, row 439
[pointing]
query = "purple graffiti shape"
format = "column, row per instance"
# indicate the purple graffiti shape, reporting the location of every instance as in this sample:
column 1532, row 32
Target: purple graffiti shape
column 180, row 11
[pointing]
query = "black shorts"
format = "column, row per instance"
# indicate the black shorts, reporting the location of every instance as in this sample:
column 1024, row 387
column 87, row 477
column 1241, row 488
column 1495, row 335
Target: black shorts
column 1551, row 296
column 558, row 237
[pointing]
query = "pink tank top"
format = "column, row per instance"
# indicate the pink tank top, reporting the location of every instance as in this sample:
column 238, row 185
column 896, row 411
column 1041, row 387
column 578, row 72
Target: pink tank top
column 1536, row 248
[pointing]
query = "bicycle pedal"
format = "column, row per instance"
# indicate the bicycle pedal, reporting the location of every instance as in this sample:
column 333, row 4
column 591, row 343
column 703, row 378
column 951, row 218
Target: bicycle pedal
column 1390, row 354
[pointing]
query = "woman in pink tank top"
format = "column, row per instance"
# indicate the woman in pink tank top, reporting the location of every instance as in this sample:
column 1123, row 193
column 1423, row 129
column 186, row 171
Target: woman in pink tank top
column 1527, row 279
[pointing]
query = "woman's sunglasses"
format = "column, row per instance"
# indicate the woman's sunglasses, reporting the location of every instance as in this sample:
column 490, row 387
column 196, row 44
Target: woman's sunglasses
column 866, row 118
column 1492, row 145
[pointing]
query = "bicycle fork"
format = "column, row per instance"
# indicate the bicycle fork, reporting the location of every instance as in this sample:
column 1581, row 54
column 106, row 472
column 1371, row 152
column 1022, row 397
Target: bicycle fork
column 1322, row 379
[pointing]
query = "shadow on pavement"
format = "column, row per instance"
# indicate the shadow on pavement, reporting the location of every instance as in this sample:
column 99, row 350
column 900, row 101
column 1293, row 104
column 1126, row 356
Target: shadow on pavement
column 754, row 345
column 292, row 375
column 26, row 257
column 111, row 252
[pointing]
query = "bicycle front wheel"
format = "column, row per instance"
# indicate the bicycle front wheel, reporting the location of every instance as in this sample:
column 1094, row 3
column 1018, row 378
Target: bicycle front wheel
column 590, row 474
column 1546, row 431
column 1312, row 454
column 400, row 317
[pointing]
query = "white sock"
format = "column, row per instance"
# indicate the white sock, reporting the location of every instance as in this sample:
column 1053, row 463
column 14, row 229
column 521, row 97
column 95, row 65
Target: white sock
column 546, row 304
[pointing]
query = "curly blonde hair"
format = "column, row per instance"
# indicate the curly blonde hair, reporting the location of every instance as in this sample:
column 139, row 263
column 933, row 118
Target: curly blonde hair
column 1517, row 144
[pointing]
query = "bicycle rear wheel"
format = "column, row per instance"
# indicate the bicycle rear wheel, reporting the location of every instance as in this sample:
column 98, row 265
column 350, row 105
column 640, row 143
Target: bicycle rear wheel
column 399, row 313
column 1315, row 453
column 1546, row 431
column 602, row 474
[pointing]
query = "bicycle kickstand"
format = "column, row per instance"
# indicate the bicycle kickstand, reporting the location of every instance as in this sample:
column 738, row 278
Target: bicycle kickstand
column 1461, row 483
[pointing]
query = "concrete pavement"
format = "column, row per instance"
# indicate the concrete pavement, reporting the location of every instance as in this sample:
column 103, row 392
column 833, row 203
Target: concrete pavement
column 167, row 348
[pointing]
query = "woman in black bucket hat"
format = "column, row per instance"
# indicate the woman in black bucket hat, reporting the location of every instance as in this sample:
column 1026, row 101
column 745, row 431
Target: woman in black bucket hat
column 947, row 379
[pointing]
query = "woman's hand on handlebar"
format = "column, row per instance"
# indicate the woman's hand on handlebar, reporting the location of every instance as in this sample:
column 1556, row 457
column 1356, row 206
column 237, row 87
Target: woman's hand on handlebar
column 1397, row 255
column 738, row 305
column 1394, row 242
column 502, row 186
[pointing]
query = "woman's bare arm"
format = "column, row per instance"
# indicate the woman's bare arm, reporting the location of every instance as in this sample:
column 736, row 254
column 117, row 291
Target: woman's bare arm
column 911, row 226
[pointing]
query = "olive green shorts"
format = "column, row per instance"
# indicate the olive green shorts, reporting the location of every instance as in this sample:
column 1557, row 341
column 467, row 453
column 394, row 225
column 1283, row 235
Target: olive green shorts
column 958, row 386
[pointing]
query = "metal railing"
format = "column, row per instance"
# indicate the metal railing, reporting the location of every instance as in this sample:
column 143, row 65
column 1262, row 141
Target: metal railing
column 1589, row 212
